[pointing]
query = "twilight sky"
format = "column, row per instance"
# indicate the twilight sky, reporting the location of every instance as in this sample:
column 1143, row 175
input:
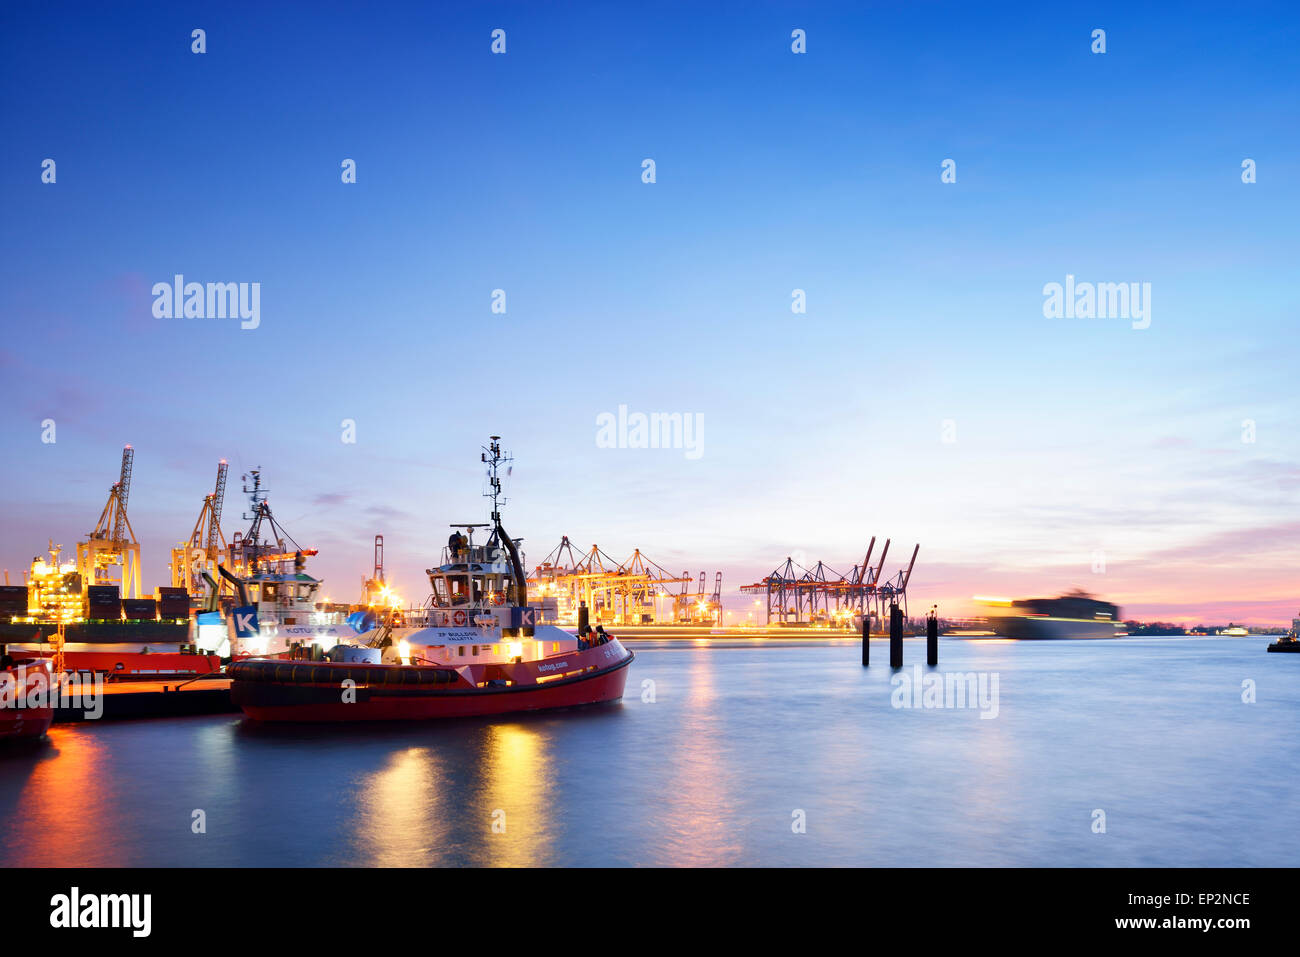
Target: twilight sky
column 775, row 171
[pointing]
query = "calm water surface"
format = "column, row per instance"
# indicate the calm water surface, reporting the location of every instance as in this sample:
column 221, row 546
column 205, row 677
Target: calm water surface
column 738, row 738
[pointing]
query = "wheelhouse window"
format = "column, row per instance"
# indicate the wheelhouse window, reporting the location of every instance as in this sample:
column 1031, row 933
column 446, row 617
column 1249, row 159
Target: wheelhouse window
column 440, row 596
column 459, row 585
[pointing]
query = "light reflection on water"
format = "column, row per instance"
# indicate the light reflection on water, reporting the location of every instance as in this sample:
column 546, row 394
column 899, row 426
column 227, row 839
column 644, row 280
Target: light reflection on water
column 740, row 735
column 64, row 794
column 395, row 802
column 690, row 801
column 518, row 795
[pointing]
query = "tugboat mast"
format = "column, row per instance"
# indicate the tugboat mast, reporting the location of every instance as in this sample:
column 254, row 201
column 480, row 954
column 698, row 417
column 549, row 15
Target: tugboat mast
column 252, row 549
column 494, row 458
column 505, row 549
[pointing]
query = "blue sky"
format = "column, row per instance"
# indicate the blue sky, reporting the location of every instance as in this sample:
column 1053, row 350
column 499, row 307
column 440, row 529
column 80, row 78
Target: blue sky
column 775, row 171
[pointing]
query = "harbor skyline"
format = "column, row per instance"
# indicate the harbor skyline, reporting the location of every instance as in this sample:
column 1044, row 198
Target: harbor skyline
column 924, row 394
column 413, row 541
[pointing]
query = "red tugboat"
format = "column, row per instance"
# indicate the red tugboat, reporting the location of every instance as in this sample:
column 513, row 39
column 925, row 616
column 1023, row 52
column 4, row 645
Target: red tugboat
column 480, row 651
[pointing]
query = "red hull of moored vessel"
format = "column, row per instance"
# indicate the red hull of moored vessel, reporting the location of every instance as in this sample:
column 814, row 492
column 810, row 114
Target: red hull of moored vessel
column 312, row 692
column 34, row 678
column 133, row 663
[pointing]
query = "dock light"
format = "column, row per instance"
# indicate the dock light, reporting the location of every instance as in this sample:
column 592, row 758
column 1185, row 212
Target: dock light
column 516, row 649
column 404, row 650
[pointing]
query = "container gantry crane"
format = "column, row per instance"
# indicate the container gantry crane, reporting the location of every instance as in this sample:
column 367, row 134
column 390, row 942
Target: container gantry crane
column 202, row 550
column 113, row 544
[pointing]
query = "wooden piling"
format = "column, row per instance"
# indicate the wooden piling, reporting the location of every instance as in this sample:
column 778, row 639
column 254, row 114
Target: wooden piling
column 932, row 639
column 866, row 640
column 895, row 636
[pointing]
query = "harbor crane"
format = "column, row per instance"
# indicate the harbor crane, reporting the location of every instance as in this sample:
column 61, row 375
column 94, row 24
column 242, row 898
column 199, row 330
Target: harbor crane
column 374, row 590
column 894, row 591
column 202, row 550
column 621, row 593
column 697, row 608
column 795, row 594
column 112, row 545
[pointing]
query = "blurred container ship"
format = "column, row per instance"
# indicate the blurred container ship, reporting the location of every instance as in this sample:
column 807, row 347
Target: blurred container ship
column 1073, row 615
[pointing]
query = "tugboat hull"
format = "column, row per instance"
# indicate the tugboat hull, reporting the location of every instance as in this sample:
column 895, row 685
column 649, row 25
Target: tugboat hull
column 269, row 690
